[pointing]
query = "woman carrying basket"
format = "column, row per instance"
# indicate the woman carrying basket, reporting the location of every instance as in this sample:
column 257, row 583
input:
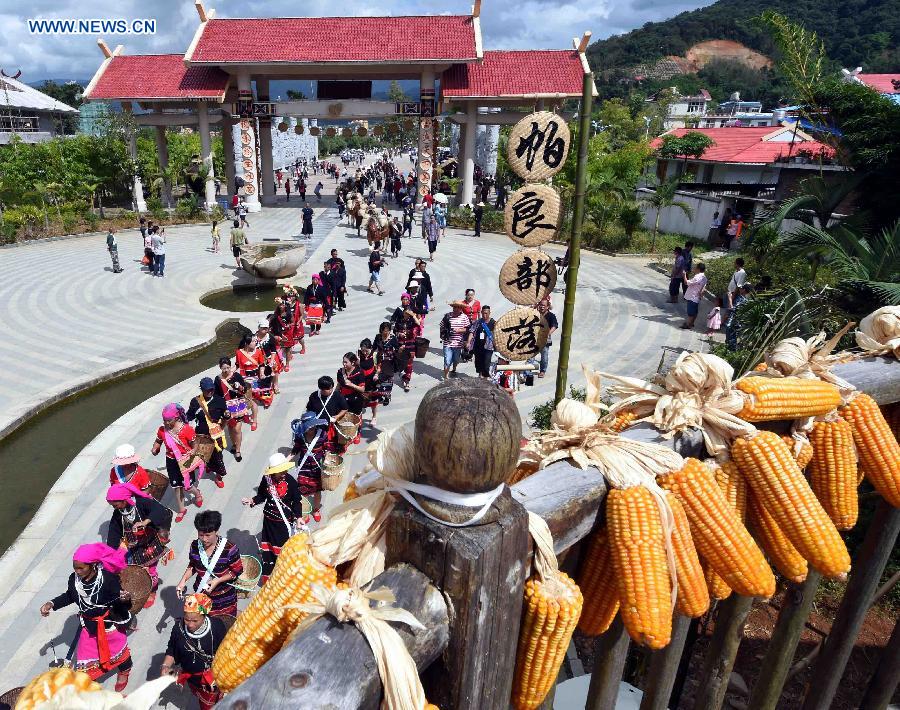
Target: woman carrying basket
column 192, row 646
column 314, row 301
column 310, row 439
column 183, row 467
column 209, row 411
column 103, row 610
column 241, row 408
column 141, row 526
column 214, row 562
column 386, row 348
column 280, row 494
column 407, row 325
column 352, row 384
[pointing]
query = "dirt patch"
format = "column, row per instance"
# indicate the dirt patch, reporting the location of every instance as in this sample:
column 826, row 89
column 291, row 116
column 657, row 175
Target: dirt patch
column 701, row 54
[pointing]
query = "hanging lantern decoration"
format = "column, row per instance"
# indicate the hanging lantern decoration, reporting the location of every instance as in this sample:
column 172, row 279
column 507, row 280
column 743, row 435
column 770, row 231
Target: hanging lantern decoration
column 283, row 126
column 362, row 131
column 298, row 129
column 378, row 130
column 346, row 132
column 314, row 130
column 330, row 132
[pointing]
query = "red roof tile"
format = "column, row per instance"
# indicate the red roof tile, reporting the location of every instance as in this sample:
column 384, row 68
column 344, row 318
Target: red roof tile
column 882, row 83
column 314, row 40
column 516, row 73
column 747, row 145
column 158, row 76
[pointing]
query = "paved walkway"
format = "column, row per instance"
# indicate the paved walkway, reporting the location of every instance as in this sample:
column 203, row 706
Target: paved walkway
column 621, row 325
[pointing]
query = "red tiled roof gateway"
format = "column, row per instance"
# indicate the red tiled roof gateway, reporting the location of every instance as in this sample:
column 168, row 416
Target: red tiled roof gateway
column 882, row 83
column 158, row 76
column 516, row 73
column 313, row 40
column 747, row 145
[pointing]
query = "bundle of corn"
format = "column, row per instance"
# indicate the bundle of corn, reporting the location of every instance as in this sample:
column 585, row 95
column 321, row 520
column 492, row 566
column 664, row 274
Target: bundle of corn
column 550, row 612
column 396, row 668
column 833, row 471
column 720, row 536
column 305, row 560
column 878, row 449
column 733, row 485
column 66, row 689
column 778, row 484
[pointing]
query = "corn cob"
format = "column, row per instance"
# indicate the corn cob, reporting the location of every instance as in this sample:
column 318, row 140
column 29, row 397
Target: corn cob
column 761, row 367
column 693, row 596
column 260, row 630
column 597, row 582
column 778, row 484
column 640, row 564
column 43, row 687
column 350, row 493
column 551, row 610
column 779, row 549
column 879, row 452
column 720, row 536
column 774, row 398
column 622, row 421
column 833, row 471
column 805, row 453
column 732, row 484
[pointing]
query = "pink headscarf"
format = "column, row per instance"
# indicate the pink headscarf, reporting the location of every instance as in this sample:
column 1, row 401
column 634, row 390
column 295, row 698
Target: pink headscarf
column 124, row 491
column 112, row 560
column 317, row 278
column 170, row 411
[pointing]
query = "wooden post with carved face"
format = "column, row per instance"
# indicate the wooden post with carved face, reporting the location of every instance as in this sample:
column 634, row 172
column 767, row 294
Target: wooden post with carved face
column 467, row 438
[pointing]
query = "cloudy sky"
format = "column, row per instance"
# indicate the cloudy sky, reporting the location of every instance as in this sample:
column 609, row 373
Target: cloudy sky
column 519, row 24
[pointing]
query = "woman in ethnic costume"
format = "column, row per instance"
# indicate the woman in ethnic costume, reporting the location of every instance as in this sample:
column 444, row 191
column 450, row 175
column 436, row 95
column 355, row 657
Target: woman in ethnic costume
column 280, row 493
column 214, row 562
column 407, row 325
column 103, row 611
column 387, row 348
column 236, row 391
column 141, row 525
column 294, row 305
column 369, row 370
column 192, row 646
column 210, row 413
column 125, row 468
column 310, row 447
column 179, row 439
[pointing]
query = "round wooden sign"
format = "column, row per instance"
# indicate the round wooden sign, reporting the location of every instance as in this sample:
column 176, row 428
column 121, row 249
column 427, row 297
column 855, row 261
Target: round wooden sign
column 246, row 152
column 520, row 334
column 532, row 215
column 528, row 276
column 283, row 126
column 538, row 146
column 330, row 131
column 298, row 129
column 245, row 138
column 245, row 124
column 314, row 130
column 346, row 132
column 362, row 131
column 249, row 190
column 378, row 130
column 248, row 176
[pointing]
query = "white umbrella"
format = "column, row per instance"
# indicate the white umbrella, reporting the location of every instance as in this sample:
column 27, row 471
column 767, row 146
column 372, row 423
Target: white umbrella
column 441, row 197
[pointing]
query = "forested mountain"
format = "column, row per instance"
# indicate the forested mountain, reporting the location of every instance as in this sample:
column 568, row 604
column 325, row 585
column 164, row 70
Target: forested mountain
column 856, row 32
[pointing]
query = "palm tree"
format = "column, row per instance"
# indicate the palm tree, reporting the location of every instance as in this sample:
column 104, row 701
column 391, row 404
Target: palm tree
column 605, row 190
column 814, row 204
column 662, row 197
column 40, row 192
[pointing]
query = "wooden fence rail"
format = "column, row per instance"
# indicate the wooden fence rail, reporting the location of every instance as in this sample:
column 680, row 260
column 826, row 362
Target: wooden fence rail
column 465, row 583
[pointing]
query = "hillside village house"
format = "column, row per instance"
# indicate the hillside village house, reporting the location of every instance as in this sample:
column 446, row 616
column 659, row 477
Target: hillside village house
column 29, row 114
column 744, row 114
column 683, row 110
column 746, row 170
column 887, row 85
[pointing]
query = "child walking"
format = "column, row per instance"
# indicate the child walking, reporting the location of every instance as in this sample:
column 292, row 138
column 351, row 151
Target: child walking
column 714, row 318
column 216, row 237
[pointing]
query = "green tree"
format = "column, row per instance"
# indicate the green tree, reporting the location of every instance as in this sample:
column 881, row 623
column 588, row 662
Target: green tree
column 692, row 144
column 295, row 95
column 663, row 196
column 69, row 94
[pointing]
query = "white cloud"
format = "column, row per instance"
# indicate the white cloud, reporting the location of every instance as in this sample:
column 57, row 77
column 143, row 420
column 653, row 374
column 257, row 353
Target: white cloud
column 506, row 24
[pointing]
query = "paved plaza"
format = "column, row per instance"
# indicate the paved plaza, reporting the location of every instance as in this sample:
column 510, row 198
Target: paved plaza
column 81, row 322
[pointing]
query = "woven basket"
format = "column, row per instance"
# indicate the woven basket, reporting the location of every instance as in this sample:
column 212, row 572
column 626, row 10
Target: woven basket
column 159, row 481
column 507, row 334
column 547, row 160
column 205, row 447
column 539, row 212
column 136, row 579
column 249, row 578
column 332, row 471
column 9, row 698
column 348, row 427
column 526, row 290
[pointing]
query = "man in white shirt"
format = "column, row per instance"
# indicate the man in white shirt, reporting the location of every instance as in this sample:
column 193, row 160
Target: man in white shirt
column 693, row 293
column 158, row 244
column 738, row 279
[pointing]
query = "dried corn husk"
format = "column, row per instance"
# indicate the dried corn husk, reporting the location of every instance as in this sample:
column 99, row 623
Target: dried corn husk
column 143, row 698
column 879, row 332
column 399, row 676
column 810, row 359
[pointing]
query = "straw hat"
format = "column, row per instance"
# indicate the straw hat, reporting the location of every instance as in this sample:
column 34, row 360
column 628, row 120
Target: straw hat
column 278, row 463
column 457, row 304
column 125, row 454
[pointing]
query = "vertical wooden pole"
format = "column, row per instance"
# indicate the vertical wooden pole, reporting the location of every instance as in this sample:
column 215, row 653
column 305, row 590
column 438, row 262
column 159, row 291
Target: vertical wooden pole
column 887, row 674
column 722, row 650
column 466, row 441
column 867, row 570
column 584, row 132
column 664, row 667
column 610, row 653
column 777, row 662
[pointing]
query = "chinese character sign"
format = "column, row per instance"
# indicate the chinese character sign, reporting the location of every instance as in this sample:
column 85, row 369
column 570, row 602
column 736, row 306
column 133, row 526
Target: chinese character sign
column 532, row 215
column 520, row 334
column 528, row 276
column 538, row 146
